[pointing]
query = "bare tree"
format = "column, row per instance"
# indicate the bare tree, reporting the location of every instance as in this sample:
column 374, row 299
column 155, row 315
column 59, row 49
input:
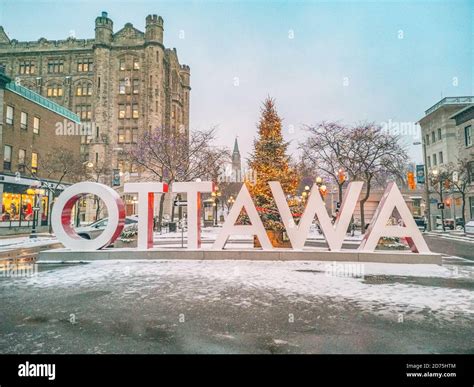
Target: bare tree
column 458, row 175
column 175, row 157
column 364, row 152
column 326, row 150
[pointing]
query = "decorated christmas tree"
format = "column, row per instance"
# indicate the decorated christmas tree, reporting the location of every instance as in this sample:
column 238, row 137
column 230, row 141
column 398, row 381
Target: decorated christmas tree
column 270, row 162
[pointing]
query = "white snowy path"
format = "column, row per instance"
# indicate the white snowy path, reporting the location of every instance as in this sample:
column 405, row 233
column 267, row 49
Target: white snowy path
column 208, row 280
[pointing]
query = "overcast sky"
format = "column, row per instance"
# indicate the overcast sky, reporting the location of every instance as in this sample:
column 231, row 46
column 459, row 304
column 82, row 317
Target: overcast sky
column 346, row 61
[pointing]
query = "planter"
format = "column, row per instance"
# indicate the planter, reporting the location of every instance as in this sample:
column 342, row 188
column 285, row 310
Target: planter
column 277, row 239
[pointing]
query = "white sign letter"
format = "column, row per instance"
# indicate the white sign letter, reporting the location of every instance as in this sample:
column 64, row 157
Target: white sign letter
column 391, row 199
column 193, row 192
column 146, row 195
column 315, row 206
column 62, row 211
column 243, row 201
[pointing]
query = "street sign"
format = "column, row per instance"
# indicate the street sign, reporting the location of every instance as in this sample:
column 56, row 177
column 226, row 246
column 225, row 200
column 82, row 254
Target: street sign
column 178, row 203
column 455, row 177
column 116, row 178
column 440, row 206
column 420, row 174
column 338, row 205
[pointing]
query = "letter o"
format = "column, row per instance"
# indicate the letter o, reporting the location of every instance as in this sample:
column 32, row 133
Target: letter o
column 62, row 211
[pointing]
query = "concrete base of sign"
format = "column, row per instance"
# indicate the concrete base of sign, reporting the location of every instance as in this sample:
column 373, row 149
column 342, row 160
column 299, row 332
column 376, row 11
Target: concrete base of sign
column 240, row 254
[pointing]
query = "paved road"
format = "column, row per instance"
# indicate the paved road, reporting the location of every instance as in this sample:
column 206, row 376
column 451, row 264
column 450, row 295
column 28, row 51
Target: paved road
column 73, row 309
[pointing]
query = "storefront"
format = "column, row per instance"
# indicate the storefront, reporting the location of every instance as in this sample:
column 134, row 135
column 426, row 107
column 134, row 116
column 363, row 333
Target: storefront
column 17, row 199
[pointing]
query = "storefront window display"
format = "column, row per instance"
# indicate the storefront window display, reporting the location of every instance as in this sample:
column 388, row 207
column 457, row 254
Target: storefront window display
column 18, row 208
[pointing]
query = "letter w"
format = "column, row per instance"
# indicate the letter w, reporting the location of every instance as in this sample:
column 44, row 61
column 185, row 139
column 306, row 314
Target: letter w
column 334, row 234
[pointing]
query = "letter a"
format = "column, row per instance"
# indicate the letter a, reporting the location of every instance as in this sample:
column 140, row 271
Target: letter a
column 243, row 201
column 391, row 199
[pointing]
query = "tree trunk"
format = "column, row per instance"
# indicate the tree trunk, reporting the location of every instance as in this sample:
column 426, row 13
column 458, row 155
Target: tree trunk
column 160, row 212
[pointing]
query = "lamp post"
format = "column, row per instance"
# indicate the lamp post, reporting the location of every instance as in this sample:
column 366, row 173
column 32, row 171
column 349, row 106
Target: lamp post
column 438, row 176
column 35, row 192
column 216, row 194
column 341, row 178
column 305, row 193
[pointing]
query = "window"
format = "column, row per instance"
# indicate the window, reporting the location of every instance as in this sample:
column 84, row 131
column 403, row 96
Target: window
column 135, row 86
column 84, row 89
column 127, row 135
column 135, row 110
column 34, row 162
column 468, row 135
column 24, row 120
column 7, row 157
column 470, row 170
column 21, row 157
column 433, row 137
column 122, row 111
column 123, row 86
column 84, row 65
column 122, row 64
column 36, row 125
column 54, row 91
column 84, row 112
column 439, row 134
column 136, row 64
column 429, row 161
column 427, row 139
column 441, row 157
column 27, row 67
column 435, row 162
column 9, row 118
column 55, row 66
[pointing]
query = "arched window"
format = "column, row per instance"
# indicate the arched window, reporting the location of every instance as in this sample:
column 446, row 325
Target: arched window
column 54, row 90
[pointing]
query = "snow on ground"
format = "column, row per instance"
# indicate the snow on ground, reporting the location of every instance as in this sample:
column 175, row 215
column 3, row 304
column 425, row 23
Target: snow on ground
column 301, row 281
column 22, row 242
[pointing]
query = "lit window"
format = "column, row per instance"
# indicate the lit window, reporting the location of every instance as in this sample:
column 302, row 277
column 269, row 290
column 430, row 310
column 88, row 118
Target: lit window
column 34, row 162
column 136, row 86
column 36, row 125
column 136, row 64
column 122, row 64
column 135, row 110
column 84, row 65
column 122, row 86
column 27, row 67
column 24, row 120
column 121, row 111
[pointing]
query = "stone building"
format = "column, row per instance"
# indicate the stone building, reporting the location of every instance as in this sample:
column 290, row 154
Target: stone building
column 124, row 82
column 29, row 134
column 443, row 133
column 236, row 163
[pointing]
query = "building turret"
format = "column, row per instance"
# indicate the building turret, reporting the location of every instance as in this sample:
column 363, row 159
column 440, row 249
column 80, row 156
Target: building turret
column 104, row 29
column 236, row 163
column 154, row 29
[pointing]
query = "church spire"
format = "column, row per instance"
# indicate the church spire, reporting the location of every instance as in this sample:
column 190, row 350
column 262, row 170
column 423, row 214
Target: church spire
column 236, row 163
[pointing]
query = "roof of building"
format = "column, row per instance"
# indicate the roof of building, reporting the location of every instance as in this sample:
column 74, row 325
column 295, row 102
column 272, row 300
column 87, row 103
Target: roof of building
column 463, row 110
column 236, row 146
column 40, row 100
column 450, row 101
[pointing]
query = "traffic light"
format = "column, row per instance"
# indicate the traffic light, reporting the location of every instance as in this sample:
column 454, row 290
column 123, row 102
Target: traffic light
column 411, row 180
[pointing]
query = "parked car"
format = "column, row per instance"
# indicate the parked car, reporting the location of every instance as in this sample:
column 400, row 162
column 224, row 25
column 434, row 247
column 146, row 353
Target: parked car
column 94, row 229
column 420, row 222
column 470, row 228
column 448, row 223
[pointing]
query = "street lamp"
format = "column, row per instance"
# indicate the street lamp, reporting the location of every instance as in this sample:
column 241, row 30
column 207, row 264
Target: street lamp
column 439, row 180
column 230, row 203
column 305, row 193
column 216, row 194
